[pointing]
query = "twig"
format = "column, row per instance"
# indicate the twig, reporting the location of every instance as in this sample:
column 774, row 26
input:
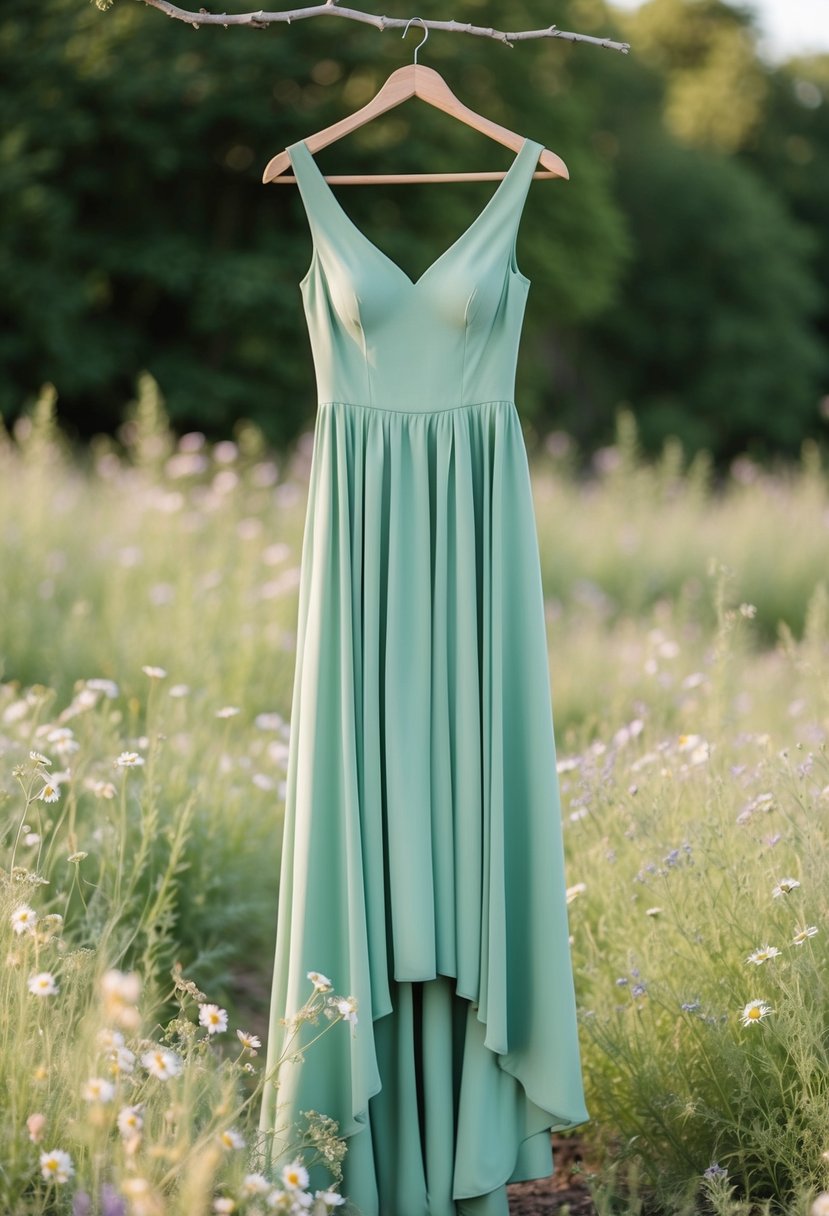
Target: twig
column 262, row 20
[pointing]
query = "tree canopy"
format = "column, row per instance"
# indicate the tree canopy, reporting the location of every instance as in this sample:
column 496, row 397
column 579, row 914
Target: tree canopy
column 679, row 271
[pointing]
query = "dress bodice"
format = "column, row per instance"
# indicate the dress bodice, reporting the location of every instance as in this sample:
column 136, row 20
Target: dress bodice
column 449, row 338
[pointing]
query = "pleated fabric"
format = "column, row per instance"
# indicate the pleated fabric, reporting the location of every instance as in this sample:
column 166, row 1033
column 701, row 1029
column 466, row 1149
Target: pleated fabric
column 422, row 864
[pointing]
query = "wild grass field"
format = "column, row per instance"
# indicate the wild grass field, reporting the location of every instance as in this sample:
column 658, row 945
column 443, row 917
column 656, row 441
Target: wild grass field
column 147, row 618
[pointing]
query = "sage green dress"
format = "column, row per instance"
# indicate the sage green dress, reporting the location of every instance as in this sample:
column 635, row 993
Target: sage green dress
column 422, row 861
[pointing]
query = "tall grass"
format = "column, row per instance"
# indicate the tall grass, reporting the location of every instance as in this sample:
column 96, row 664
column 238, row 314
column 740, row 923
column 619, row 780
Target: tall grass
column 148, row 609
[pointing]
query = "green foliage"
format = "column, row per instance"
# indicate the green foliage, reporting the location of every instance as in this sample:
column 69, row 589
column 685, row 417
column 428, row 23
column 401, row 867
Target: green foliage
column 138, row 234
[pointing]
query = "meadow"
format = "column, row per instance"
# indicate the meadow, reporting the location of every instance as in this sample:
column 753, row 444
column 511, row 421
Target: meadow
column 147, row 618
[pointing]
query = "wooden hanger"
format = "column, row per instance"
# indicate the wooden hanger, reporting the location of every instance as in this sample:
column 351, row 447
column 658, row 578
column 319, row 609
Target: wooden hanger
column 413, row 80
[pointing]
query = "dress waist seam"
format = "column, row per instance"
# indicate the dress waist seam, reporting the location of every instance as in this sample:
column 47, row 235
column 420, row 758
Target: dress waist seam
column 443, row 409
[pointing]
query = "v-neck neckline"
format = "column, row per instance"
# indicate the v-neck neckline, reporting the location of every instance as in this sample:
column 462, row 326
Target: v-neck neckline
column 415, row 283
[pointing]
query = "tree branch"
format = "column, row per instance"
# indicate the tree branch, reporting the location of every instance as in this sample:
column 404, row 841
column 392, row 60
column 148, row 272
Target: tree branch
column 262, row 20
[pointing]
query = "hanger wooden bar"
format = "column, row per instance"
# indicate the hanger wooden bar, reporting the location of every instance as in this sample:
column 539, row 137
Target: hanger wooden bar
column 363, row 179
column 415, row 80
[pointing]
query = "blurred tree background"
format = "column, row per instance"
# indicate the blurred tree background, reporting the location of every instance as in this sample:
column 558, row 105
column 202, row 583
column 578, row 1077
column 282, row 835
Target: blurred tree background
column 681, row 271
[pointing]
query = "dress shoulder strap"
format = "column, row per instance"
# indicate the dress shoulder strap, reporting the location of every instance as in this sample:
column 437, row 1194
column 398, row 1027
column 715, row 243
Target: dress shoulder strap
column 321, row 206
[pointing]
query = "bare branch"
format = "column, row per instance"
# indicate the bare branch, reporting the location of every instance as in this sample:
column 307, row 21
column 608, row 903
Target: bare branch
column 261, row 20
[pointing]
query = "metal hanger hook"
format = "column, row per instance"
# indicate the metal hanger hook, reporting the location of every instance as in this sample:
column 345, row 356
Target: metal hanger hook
column 425, row 33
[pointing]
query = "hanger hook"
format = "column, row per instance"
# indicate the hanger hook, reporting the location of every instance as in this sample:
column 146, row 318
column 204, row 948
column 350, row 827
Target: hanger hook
column 425, row 34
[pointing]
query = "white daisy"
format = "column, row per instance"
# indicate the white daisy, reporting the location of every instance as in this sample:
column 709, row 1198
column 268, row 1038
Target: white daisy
column 801, row 935
column 214, row 1018
column 251, row 1041
column 96, row 1089
column 321, row 982
column 43, row 984
column 224, row 1204
column 108, row 687
column 228, row 711
column 130, row 1120
column 49, row 793
column 23, row 919
column 39, row 758
column 121, row 1060
column 56, row 1165
column 784, row 886
column 254, row 1184
column 762, row 954
column 162, row 1063
column 230, row 1138
column 755, row 1011
column 155, row 673
column 347, row 1006
column 295, row 1176
column 331, row 1199
column 129, row 760
column 121, row 985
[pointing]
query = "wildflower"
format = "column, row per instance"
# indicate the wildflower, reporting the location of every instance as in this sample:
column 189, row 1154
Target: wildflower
column 76, row 857
column 60, row 734
column 295, row 1176
column 36, row 1123
column 250, row 1041
column 652, row 911
column 638, row 990
column 230, row 1138
column 96, row 1089
column 108, row 687
column 121, row 1060
column 321, row 982
column 578, row 888
column 801, row 935
column 228, row 711
column 179, row 690
column 162, row 1063
column 23, row 919
column 101, row 789
column 56, row 1165
column 224, row 1204
column 129, row 760
column 715, row 1171
column 39, row 758
column 130, row 1120
column 762, row 954
column 347, row 1006
column 331, row 1199
column 686, row 742
column 754, row 1012
column 31, row 838
column 254, row 1184
column 49, row 793
column 784, row 886
column 214, row 1018
column 690, row 1006
column 108, row 1038
column 748, row 610
column 820, row 1206
column 121, row 986
column 155, row 673
column 43, row 984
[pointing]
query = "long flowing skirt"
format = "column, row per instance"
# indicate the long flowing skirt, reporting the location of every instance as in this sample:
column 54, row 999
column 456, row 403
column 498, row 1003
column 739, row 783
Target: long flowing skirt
column 422, row 863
